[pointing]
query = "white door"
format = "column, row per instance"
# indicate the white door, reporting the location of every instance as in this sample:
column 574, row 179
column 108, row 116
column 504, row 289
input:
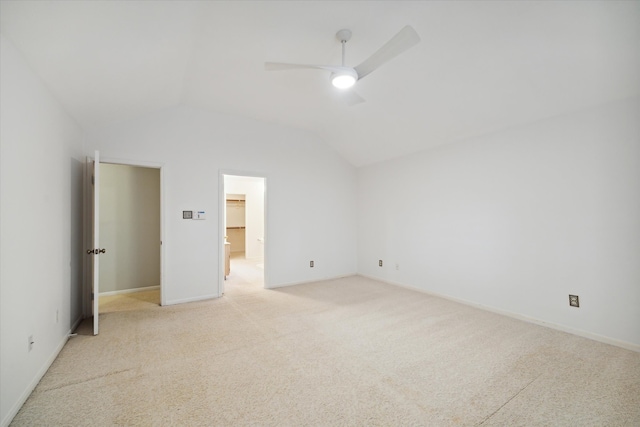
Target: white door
column 94, row 251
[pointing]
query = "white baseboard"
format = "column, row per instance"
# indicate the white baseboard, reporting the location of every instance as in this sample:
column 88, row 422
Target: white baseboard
column 194, row 299
column 27, row 392
column 129, row 291
column 573, row 331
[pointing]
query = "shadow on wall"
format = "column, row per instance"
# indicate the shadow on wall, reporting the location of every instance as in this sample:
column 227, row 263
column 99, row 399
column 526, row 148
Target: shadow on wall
column 76, row 176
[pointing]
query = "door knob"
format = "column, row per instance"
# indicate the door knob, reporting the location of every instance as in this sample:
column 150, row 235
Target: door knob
column 96, row 251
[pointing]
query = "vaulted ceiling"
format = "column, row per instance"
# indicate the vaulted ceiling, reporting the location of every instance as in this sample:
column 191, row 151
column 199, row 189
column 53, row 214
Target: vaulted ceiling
column 481, row 66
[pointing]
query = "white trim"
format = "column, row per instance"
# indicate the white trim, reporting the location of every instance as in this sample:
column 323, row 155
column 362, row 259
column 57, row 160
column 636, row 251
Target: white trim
column 221, row 233
column 13, row 411
column 131, row 162
column 193, row 299
column 601, row 338
column 129, row 291
column 162, row 238
column 324, row 279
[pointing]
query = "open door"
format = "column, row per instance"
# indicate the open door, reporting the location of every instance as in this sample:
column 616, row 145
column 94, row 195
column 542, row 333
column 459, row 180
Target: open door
column 93, row 176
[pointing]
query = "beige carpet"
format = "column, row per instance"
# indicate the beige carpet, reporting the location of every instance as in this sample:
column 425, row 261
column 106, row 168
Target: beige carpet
column 127, row 302
column 344, row 352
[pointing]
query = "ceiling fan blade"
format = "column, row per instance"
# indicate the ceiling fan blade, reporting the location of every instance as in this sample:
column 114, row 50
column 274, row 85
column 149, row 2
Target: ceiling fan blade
column 406, row 38
column 278, row 66
column 351, row 98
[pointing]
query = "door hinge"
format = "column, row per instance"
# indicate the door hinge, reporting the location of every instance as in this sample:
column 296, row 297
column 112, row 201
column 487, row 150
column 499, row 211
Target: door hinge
column 93, row 180
column 92, row 296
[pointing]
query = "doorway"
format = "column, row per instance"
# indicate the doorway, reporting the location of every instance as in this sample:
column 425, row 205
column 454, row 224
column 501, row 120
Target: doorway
column 130, row 229
column 243, row 227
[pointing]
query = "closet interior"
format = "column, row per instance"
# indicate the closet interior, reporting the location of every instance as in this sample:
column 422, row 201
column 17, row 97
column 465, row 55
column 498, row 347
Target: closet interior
column 236, row 225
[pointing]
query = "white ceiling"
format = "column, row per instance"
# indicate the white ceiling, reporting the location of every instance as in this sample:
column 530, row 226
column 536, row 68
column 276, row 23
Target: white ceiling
column 482, row 66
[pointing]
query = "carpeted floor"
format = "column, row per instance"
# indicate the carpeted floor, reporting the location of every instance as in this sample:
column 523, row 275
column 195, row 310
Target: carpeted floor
column 351, row 352
column 128, row 302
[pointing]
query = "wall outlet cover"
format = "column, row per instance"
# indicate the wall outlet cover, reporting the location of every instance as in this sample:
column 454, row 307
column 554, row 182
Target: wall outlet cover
column 574, row 301
column 187, row 214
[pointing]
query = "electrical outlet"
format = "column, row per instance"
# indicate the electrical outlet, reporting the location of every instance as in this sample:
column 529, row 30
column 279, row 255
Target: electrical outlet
column 379, row 263
column 574, row 301
column 30, row 341
column 311, row 264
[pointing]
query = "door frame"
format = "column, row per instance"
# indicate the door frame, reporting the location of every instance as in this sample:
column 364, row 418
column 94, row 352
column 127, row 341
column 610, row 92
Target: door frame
column 144, row 164
column 222, row 200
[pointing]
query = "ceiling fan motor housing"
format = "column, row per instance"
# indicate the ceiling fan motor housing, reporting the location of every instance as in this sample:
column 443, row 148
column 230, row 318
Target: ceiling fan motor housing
column 344, row 35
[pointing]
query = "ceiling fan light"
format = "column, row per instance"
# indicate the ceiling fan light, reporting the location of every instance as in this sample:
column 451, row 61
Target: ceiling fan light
column 343, row 80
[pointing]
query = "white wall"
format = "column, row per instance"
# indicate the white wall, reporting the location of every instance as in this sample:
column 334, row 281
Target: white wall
column 129, row 227
column 253, row 188
column 194, row 146
column 40, row 222
column 518, row 220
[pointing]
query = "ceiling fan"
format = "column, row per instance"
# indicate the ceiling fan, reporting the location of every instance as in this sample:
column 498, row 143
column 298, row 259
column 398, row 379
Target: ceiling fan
column 343, row 76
